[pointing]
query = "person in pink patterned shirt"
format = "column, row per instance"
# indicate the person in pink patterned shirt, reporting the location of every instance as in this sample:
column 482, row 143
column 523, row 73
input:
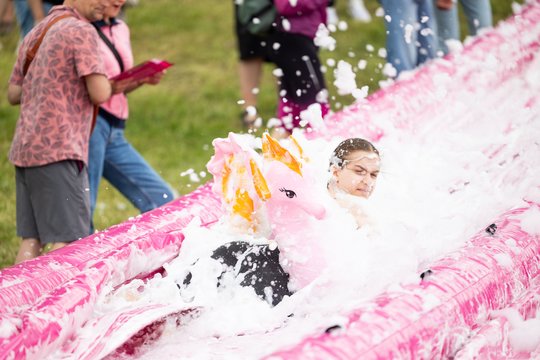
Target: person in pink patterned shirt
column 50, row 146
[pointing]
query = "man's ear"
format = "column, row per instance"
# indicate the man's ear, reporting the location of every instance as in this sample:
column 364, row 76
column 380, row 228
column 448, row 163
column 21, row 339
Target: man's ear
column 334, row 170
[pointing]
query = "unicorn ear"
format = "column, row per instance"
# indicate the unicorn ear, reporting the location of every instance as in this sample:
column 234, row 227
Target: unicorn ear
column 299, row 149
column 272, row 150
column 259, row 182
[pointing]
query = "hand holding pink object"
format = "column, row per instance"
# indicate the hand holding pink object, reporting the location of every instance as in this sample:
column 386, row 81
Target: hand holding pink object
column 144, row 70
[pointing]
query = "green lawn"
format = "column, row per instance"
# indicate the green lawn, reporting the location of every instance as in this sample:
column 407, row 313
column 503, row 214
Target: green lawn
column 173, row 124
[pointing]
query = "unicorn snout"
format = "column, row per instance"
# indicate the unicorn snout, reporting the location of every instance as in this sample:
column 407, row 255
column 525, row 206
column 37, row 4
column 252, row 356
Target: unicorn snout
column 318, row 211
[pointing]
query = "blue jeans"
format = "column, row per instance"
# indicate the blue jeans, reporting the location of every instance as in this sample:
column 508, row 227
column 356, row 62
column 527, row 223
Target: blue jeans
column 113, row 157
column 25, row 17
column 477, row 12
column 410, row 32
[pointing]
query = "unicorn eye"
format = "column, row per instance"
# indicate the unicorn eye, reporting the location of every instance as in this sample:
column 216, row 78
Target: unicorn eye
column 288, row 193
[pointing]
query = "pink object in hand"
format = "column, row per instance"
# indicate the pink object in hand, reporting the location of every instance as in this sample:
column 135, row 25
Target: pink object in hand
column 143, row 70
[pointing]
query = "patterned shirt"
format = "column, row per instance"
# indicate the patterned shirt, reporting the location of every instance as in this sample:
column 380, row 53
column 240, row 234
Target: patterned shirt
column 56, row 111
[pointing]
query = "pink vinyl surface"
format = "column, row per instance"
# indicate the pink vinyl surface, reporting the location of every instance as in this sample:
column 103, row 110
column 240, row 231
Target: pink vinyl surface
column 44, row 300
column 433, row 318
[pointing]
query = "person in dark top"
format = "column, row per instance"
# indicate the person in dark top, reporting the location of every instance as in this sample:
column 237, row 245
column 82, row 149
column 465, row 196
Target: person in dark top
column 251, row 57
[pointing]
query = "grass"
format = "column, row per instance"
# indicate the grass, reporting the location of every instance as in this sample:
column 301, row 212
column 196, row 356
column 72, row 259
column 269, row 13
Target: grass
column 173, row 124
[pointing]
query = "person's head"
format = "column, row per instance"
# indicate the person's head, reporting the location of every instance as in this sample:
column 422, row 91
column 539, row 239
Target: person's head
column 93, row 10
column 114, row 8
column 355, row 165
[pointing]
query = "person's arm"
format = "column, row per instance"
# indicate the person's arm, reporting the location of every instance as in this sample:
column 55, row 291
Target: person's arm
column 128, row 85
column 99, row 88
column 36, row 7
column 14, row 94
column 124, row 86
column 445, row 4
column 154, row 79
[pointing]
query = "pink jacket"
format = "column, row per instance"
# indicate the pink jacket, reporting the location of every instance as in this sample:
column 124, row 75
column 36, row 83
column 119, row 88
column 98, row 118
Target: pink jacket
column 303, row 18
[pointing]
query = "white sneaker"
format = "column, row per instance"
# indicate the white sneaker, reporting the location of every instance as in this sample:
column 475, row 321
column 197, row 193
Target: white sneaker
column 331, row 16
column 358, row 11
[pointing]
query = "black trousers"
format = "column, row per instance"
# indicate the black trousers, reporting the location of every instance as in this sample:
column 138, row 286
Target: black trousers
column 298, row 58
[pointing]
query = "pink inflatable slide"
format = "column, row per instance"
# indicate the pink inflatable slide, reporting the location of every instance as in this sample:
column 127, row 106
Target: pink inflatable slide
column 449, row 313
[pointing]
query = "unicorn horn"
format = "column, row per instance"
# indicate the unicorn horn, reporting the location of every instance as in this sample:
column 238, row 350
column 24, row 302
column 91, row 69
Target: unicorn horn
column 272, row 150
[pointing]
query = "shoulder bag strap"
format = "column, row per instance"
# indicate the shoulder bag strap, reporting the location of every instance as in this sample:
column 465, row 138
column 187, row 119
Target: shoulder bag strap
column 111, row 46
column 116, row 54
column 31, row 54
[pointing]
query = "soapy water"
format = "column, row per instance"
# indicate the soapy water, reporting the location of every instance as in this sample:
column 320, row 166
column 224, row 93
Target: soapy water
column 433, row 193
column 472, row 158
column 435, row 190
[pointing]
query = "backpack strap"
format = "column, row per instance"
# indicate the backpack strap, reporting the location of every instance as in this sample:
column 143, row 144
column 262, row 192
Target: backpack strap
column 31, row 54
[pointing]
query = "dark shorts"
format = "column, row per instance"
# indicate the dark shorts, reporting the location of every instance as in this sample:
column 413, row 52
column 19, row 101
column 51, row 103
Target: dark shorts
column 249, row 46
column 53, row 202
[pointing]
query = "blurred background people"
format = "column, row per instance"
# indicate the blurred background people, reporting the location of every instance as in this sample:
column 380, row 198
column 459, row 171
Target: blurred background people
column 7, row 16
column 30, row 12
column 477, row 12
column 410, row 33
column 292, row 49
column 357, row 11
column 251, row 54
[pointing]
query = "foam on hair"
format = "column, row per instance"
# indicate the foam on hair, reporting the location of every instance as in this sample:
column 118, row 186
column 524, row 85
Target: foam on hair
column 348, row 146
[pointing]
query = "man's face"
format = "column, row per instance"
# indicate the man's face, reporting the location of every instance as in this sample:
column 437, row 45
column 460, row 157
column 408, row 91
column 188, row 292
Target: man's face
column 359, row 174
column 91, row 9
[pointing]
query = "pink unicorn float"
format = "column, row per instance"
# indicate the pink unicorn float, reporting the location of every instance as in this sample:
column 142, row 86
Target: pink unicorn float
column 274, row 195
